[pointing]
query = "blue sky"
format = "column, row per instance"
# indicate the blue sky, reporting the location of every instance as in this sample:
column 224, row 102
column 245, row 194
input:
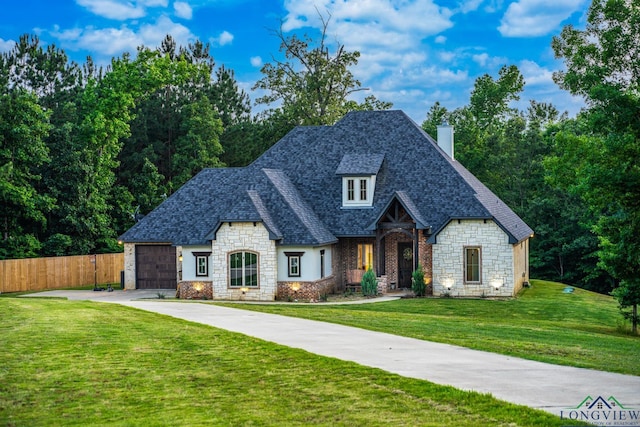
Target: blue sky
column 413, row 52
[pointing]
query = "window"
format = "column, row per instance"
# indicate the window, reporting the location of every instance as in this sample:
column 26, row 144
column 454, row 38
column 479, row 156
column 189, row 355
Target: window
column 294, row 266
column 472, row 271
column 202, row 263
column 357, row 191
column 243, row 269
column 202, row 266
column 351, row 194
column 365, row 256
column 293, row 261
column 322, row 263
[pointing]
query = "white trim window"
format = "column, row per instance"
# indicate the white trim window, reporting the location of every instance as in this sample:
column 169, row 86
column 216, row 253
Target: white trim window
column 202, row 263
column 243, row 270
column 357, row 191
column 294, row 263
column 472, row 264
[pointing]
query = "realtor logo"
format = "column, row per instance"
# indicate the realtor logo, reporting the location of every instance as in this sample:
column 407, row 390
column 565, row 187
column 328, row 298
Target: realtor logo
column 602, row 412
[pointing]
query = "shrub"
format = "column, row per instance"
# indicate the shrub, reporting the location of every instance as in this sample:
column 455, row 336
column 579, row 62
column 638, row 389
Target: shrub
column 417, row 282
column 369, row 283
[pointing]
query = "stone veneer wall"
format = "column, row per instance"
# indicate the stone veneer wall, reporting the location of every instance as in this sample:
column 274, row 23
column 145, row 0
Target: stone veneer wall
column 244, row 236
column 306, row 291
column 129, row 266
column 195, row 290
column 496, row 259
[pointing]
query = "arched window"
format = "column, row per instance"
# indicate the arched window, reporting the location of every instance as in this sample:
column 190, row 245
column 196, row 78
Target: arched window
column 243, row 270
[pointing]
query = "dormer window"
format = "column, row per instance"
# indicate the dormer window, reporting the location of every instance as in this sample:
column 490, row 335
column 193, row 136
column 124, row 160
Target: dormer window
column 356, row 190
column 359, row 173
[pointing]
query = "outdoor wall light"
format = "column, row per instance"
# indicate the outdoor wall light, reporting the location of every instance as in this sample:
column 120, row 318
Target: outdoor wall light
column 244, row 290
column 198, row 287
column 448, row 283
column 180, row 258
column 295, row 286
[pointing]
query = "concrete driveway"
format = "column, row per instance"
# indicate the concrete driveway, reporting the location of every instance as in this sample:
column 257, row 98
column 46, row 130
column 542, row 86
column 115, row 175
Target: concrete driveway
column 557, row 389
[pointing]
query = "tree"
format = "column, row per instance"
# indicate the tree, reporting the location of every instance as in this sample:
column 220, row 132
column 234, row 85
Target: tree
column 23, row 126
column 177, row 127
column 512, row 152
column 603, row 65
column 312, row 84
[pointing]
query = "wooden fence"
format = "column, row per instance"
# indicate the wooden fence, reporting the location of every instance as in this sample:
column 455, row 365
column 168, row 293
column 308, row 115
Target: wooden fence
column 37, row 274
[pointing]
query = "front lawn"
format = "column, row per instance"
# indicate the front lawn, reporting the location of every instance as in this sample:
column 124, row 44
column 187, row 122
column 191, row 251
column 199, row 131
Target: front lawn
column 581, row 328
column 86, row 363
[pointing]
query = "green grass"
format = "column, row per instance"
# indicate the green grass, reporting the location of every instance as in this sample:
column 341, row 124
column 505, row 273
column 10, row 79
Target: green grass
column 86, row 363
column 581, row 329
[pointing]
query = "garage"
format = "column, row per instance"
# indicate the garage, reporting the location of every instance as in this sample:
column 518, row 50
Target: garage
column 156, row 267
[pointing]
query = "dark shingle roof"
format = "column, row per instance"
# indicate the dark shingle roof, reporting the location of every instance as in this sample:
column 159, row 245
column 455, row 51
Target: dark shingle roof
column 360, row 164
column 295, row 188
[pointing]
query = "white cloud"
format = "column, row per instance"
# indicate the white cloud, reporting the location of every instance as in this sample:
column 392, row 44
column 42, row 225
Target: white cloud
column 256, row 61
column 121, row 9
column 115, row 41
column 372, row 18
column 6, row 45
column 113, row 9
column 470, row 5
column 440, row 39
column 481, row 58
column 223, row 39
column 534, row 18
column 447, row 56
column 535, row 75
column 183, row 10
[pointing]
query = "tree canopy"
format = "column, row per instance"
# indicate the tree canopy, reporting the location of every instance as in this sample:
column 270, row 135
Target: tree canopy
column 312, row 84
column 603, row 65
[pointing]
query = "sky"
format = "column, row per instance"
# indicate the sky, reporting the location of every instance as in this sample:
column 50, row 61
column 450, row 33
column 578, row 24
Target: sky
column 413, row 52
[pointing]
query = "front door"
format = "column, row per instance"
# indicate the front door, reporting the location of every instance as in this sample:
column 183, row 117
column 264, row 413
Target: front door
column 405, row 264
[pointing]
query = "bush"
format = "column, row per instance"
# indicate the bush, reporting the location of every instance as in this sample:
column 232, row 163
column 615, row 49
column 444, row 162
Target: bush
column 417, row 282
column 369, row 283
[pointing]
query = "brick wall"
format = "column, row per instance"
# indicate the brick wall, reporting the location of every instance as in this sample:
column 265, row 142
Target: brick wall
column 347, row 256
column 195, row 290
column 306, row 291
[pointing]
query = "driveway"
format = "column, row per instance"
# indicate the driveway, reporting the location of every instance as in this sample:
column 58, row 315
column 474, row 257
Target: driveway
column 553, row 388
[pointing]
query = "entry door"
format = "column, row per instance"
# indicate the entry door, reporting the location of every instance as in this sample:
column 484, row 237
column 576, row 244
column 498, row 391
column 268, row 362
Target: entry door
column 405, row 264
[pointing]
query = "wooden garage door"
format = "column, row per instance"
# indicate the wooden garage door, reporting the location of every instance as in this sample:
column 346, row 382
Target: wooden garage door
column 155, row 267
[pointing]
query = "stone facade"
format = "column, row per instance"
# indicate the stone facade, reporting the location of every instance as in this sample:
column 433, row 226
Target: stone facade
column 195, row 290
column 306, row 291
column 129, row 266
column 250, row 237
column 496, row 257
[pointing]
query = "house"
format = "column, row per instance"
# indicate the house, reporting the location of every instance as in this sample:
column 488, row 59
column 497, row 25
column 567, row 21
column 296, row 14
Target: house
column 324, row 204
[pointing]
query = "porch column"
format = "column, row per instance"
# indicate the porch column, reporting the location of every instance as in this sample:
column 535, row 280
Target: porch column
column 378, row 252
column 416, row 246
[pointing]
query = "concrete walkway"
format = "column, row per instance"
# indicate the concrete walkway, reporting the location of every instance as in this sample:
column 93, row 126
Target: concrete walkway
column 553, row 388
